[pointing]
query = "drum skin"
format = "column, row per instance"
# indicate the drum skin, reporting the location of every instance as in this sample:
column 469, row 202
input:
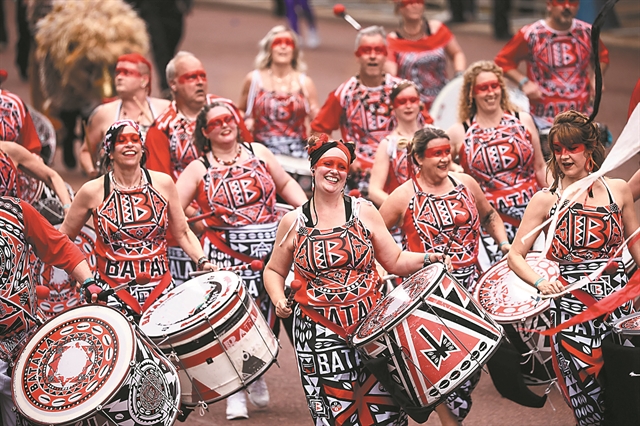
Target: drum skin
column 89, row 363
column 214, row 332
column 433, row 322
column 508, row 299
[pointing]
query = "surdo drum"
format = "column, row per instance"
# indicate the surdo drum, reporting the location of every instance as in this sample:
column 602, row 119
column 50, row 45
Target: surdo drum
column 432, row 332
column 214, row 332
column 299, row 169
column 89, row 363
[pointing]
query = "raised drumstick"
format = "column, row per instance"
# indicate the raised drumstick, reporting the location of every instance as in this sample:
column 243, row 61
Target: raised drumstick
column 341, row 12
column 254, row 265
column 295, row 286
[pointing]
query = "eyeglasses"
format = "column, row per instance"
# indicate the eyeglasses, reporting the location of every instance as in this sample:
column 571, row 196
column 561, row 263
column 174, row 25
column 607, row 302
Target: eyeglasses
column 286, row 41
column 437, row 152
column 379, row 49
column 404, row 3
column 126, row 72
column 565, row 3
column 192, row 77
column 407, row 99
column 218, row 122
column 334, row 163
column 484, row 87
column 128, row 137
column 566, row 150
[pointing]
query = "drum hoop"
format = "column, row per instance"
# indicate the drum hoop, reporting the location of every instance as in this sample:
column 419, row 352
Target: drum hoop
column 357, row 341
column 127, row 352
column 192, row 323
column 626, row 331
column 289, row 165
column 245, row 229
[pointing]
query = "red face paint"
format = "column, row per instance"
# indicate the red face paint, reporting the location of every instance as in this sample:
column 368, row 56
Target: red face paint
column 404, row 3
column 577, row 148
column 192, row 77
column 484, row 87
column 565, row 3
column 218, row 121
column 126, row 72
column 399, row 101
column 284, row 41
column 438, row 151
column 334, row 163
column 365, row 50
column 128, row 137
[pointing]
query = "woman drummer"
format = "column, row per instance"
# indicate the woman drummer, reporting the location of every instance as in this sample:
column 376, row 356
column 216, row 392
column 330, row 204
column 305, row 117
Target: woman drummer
column 498, row 146
column 419, row 49
column 587, row 235
column 428, row 209
column 278, row 97
column 333, row 241
column 132, row 209
column 235, row 183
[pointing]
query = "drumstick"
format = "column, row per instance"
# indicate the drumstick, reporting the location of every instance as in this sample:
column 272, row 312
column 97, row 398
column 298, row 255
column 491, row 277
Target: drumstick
column 103, row 295
column 458, row 221
column 199, row 217
column 295, row 286
column 255, row 265
column 341, row 12
column 142, row 110
column 610, row 269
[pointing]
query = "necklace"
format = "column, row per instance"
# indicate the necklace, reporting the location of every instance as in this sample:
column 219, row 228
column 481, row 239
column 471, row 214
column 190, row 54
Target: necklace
column 416, row 35
column 228, row 162
column 286, row 88
column 113, row 177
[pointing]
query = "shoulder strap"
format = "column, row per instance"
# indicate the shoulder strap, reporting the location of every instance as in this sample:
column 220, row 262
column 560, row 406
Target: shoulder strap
column 147, row 175
column 465, row 124
column 205, row 161
column 348, row 208
column 427, row 29
column 306, row 211
column 517, row 114
column 255, row 77
column 611, row 199
column 107, row 185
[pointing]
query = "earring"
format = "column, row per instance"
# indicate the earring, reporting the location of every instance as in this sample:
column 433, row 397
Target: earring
column 590, row 164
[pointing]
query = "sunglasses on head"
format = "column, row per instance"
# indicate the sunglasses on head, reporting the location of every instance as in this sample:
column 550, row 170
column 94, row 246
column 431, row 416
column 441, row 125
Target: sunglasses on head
column 128, row 137
column 193, row 76
column 405, row 100
column 438, row 151
column 126, row 72
column 484, row 87
column 285, row 41
column 566, row 150
column 404, row 3
column 379, row 49
column 218, row 122
column 334, row 163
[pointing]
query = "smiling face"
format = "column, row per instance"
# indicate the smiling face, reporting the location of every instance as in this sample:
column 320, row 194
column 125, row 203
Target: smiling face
column 330, row 172
column 435, row 162
column 221, row 127
column 487, row 92
column 371, row 55
column 282, row 48
column 406, row 106
column 190, row 84
column 562, row 12
column 127, row 148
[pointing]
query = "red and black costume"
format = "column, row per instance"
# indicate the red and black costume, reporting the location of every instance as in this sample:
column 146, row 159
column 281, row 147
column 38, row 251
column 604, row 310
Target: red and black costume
column 16, row 124
column 8, row 177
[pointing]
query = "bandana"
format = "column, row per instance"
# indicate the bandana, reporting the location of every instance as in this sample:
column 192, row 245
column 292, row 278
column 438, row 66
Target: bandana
column 113, row 132
column 321, row 145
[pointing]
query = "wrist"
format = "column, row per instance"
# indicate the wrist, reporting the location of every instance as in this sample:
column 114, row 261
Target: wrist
column 522, row 82
column 427, row 260
column 200, row 262
column 88, row 282
column 66, row 206
column 538, row 282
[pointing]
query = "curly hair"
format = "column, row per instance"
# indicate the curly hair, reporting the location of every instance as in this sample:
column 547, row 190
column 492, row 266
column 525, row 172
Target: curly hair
column 466, row 104
column 569, row 128
column 202, row 143
column 421, row 139
column 264, row 57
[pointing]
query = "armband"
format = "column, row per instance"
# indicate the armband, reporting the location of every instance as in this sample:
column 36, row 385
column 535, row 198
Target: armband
column 201, row 262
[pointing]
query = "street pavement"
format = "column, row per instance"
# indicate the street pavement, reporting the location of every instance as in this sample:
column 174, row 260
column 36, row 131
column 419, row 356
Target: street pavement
column 225, row 38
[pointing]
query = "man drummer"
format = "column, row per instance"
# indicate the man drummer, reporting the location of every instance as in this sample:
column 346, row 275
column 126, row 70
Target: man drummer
column 558, row 53
column 361, row 106
column 22, row 228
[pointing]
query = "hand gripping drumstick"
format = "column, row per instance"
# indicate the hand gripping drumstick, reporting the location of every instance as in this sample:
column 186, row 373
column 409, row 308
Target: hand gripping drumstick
column 341, row 12
column 295, row 286
column 103, row 295
column 255, row 265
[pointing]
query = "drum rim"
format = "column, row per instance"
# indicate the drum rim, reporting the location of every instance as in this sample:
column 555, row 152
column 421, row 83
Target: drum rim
column 109, row 389
column 357, row 341
column 626, row 331
column 194, row 322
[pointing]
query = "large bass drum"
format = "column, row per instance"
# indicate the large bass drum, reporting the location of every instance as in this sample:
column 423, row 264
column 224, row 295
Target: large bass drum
column 90, row 364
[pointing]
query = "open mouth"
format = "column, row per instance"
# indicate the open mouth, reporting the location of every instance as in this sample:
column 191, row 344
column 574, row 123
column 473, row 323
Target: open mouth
column 331, row 179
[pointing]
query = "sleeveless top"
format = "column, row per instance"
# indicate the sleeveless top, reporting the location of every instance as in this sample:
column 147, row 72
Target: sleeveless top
column 144, row 128
column 429, row 224
column 337, row 266
column 131, row 228
column 279, row 119
column 398, row 164
column 238, row 195
column 8, row 176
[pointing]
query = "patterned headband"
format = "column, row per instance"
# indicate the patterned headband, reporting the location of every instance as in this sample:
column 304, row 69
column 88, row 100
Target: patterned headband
column 115, row 130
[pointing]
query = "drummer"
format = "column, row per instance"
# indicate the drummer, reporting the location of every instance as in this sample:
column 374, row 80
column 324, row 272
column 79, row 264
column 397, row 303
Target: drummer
column 235, row 184
column 333, row 241
column 607, row 209
column 22, row 228
column 426, row 208
column 132, row 210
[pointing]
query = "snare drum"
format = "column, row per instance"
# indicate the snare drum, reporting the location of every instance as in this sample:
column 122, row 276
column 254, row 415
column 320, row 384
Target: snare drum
column 433, row 333
column 628, row 328
column 214, row 332
column 299, row 169
column 50, row 206
column 46, row 133
column 63, row 294
column 89, row 363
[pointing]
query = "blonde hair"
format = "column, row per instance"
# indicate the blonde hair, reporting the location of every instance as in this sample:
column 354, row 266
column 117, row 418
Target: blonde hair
column 467, row 105
column 264, row 56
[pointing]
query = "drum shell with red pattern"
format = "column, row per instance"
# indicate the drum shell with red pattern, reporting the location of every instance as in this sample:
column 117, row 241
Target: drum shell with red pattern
column 89, row 363
column 628, row 328
column 432, row 332
column 214, row 332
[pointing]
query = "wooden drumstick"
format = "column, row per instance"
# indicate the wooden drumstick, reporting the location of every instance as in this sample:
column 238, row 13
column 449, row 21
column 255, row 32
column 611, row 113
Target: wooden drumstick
column 103, row 295
column 340, row 11
column 199, row 217
column 458, row 221
column 295, row 286
column 254, row 265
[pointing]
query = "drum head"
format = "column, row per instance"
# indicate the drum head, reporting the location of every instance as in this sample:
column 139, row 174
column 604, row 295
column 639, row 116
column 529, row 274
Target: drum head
column 392, row 309
column 73, row 364
column 628, row 325
column 508, row 299
column 189, row 304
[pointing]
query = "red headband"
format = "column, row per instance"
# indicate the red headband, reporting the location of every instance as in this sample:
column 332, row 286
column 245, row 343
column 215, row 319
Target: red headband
column 136, row 58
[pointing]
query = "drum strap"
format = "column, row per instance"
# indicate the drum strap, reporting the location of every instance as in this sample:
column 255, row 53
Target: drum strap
column 131, row 301
column 317, row 317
